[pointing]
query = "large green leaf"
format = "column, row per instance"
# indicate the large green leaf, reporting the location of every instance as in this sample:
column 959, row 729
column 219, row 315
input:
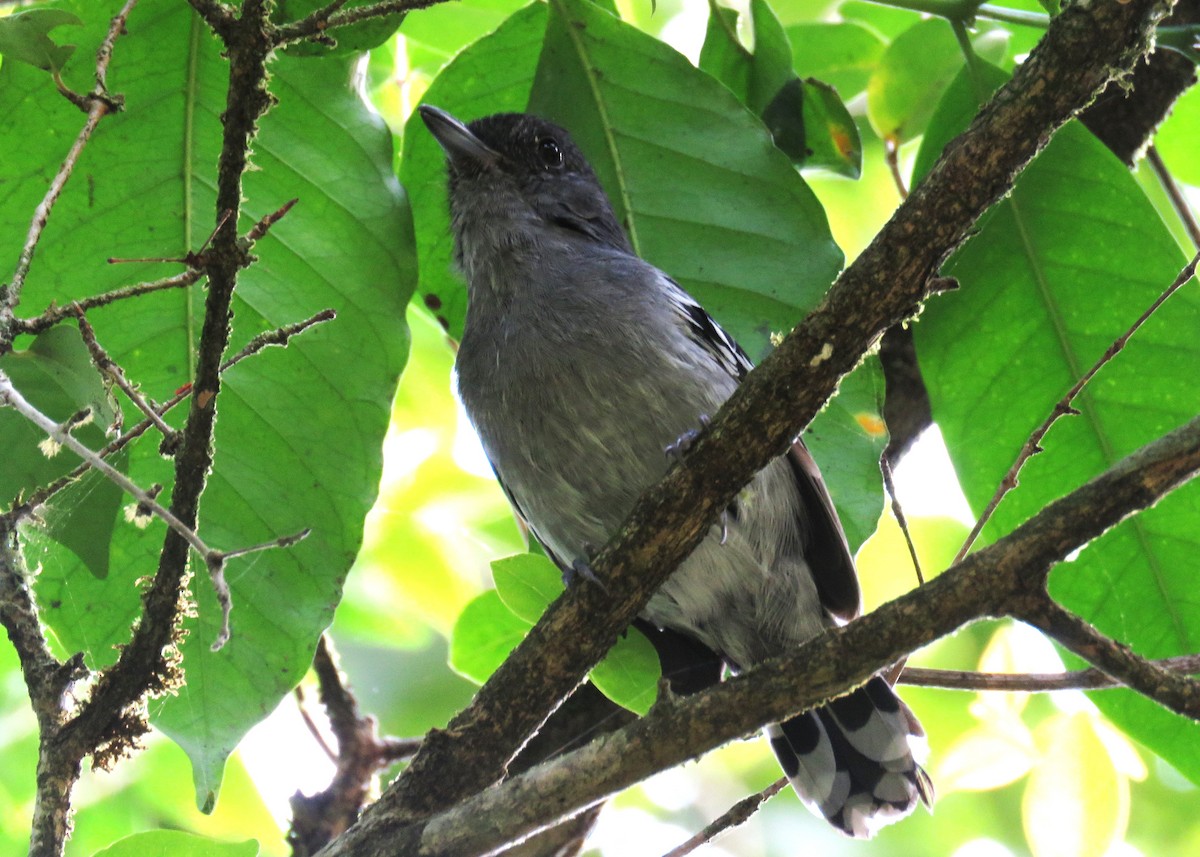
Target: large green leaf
column 299, row 429
column 694, row 177
column 911, row 76
column 842, row 54
column 1176, row 139
column 1047, row 284
column 24, row 37
column 493, row 75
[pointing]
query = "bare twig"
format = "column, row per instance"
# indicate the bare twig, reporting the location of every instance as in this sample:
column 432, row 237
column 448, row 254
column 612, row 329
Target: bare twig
column 60, row 433
column 1089, row 679
column 1064, row 407
column 281, row 542
column 55, row 314
column 328, row 17
column 109, row 367
column 885, row 467
column 100, row 106
column 1169, row 688
column 280, row 336
column 267, row 221
column 361, row 754
column 891, row 156
column 739, row 813
column 311, row 725
column 1178, row 201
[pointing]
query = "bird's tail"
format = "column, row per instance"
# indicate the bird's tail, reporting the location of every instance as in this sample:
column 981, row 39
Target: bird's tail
column 851, row 761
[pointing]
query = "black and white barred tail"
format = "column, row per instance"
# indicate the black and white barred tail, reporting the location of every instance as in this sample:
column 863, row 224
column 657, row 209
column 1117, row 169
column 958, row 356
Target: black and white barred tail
column 851, row 761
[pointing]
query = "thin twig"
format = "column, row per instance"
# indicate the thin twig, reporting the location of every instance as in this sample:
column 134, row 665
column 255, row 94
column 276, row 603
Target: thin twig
column 361, row 754
column 1088, row 679
column 891, row 155
column 109, row 367
column 1178, row 201
column 889, row 484
column 9, row 395
column 214, row 560
column 55, row 314
column 281, row 542
column 1169, row 688
column 279, row 336
column 1063, row 407
column 100, row 107
column 267, row 221
column 311, row 725
column 739, row 813
column 321, row 21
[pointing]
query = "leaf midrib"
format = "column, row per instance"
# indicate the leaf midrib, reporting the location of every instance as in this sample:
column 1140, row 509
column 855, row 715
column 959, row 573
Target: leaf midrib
column 1087, row 407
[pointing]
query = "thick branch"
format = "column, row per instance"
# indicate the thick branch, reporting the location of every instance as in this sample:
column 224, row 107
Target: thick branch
column 1004, row 578
column 1085, row 47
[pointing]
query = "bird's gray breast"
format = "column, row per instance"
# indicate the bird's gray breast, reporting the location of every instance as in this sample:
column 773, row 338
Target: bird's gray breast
column 576, row 416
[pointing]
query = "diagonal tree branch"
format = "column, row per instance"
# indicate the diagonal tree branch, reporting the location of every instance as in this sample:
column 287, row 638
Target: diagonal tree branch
column 1085, row 47
column 1006, row 578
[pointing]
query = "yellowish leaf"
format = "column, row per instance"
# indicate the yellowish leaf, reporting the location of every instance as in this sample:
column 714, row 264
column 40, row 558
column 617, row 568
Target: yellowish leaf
column 1076, row 803
column 985, row 758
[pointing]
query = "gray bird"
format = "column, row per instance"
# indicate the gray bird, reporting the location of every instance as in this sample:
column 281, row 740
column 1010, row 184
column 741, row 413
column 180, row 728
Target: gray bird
column 579, row 365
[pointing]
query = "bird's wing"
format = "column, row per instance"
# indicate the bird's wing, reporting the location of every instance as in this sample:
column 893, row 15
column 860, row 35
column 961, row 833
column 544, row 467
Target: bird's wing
column 826, row 549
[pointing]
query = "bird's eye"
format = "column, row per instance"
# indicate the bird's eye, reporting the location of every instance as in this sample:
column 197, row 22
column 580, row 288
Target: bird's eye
column 550, row 152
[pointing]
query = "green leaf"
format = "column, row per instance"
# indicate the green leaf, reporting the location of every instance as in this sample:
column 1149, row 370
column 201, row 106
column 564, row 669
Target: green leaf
column 889, row 22
column 1176, row 138
column 353, row 39
column 1048, row 283
column 299, row 430
column 437, row 34
column 806, row 119
column 484, row 635
column 494, row 623
column 493, row 75
column 846, row 440
column 176, row 843
column 832, row 136
column 83, row 517
column 629, row 674
column 56, row 375
column 842, row 54
column 915, row 70
column 23, row 37
column 684, row 163
column 527, row 583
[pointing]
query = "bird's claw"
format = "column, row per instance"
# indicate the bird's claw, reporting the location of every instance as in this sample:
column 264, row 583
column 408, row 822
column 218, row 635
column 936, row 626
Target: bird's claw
column 684, row 442
column 581, row 569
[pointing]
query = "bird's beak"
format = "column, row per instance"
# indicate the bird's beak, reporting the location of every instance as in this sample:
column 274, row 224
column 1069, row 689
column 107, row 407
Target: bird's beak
column 462, row 147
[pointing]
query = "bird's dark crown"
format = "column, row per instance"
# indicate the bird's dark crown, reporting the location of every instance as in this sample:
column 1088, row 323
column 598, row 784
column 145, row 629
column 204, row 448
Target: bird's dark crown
column 530, row 144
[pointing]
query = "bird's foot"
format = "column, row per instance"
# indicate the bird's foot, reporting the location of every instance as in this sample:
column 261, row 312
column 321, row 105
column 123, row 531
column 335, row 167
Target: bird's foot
column 581, row 569
column 684, row 442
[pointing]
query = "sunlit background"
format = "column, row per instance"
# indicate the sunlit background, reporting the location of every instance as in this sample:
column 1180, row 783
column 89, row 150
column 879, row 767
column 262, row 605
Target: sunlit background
column 1016, row 774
